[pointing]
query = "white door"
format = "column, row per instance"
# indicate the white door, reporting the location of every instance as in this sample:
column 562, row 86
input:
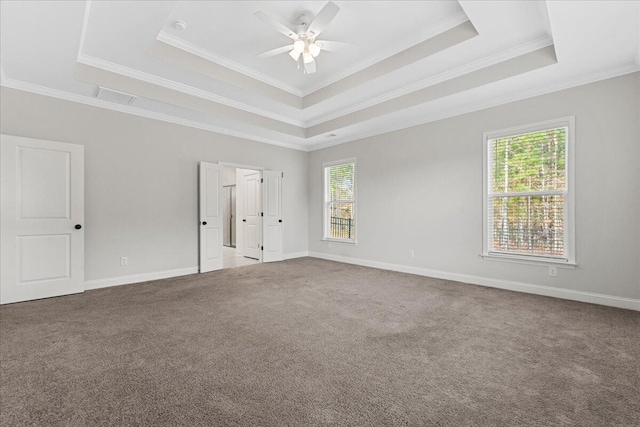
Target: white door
column 42, row 209
column 211, row 218
column 251, row 215
column 272, row 219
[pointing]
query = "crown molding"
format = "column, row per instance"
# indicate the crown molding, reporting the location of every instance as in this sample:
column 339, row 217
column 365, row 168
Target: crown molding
column 3, row 76
column 493, row 102
column 424, row 35
column 127, row 109
column 479, row 64
column 194, row 49
column 180, row 87
column 85, row 24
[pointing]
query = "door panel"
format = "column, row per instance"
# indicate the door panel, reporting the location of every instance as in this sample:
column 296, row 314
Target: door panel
column 211, row 218
column 44, row 257
column 272, row 220
column 42, row 201
column 251, row 221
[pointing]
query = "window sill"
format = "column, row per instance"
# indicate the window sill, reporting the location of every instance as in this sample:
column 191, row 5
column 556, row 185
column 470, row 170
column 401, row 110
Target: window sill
column 515, row 259
column 349, row 242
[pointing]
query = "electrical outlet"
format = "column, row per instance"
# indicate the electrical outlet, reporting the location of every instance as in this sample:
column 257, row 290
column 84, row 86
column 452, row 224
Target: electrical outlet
column 553, row 272
column 124, row 260
column 412, row 253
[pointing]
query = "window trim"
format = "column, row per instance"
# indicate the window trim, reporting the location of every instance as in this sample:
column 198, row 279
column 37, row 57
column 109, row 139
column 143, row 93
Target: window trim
column 355, row 201
column 569, row 203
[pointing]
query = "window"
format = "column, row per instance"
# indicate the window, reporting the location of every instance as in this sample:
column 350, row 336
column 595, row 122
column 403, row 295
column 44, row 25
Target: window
column 528, row 193
column 340, row 200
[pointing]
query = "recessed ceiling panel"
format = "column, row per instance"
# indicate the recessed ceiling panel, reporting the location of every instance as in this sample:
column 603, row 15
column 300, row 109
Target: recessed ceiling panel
column 375, row 29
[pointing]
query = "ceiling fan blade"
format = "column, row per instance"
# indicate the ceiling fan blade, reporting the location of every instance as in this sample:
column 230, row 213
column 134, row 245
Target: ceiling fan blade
column 276, row 51
column 310, row 67
column 334, row 46
column 324, row 18
column 277, row 25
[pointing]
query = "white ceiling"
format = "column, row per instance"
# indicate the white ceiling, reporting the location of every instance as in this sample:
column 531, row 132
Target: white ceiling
column 413, row 62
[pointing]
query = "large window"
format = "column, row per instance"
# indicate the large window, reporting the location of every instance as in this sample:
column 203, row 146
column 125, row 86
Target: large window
column 528, row 192
column 340, row 200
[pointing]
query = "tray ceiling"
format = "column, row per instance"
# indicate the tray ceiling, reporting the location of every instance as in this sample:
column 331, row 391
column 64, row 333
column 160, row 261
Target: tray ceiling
column 412, row 62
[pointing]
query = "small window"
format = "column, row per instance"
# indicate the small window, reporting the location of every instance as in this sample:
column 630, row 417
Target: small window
column 528, row 192
column 340, row 200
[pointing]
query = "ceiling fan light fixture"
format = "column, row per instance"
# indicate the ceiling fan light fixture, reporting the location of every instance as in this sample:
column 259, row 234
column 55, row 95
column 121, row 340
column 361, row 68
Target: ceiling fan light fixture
column 314, row 49
column 294, row 54
column 298, row 46
column 307, row 57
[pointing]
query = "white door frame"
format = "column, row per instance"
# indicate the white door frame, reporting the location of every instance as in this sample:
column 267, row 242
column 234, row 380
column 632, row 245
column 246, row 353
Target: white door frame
column 260, row 169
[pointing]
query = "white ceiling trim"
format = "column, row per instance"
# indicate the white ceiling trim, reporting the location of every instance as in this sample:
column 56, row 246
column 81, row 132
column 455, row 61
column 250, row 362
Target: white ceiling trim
column 127, row 109
column 85, row 23
column 515, row 96
column 190, row 90
column 493, row 102
column 433, row 31
column 544, row 13
column 479, row 64
column 194, row 49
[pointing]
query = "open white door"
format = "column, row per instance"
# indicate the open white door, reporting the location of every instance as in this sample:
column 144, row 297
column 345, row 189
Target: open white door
column 272, row 219
column 42, row 209
column 252, row 210
column 211, row 220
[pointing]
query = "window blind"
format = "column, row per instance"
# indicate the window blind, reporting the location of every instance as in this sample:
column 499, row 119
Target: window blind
column 527, row 189
column 339, row 197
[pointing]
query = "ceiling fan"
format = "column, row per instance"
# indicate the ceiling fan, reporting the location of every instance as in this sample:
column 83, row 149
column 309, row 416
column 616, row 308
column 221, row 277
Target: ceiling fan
column 306, row 47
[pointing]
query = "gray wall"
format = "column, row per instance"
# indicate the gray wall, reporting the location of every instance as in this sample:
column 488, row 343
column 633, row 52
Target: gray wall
column 141, row 180
column 421, row 189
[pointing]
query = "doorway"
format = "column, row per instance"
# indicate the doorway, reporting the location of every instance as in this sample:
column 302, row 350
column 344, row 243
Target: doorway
column 240, row 216
column 242, row 237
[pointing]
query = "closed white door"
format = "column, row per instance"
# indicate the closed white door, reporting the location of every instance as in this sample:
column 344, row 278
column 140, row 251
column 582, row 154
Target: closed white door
column 211, row 218
column 272, row 219
column 42, row 226
column 251, row 215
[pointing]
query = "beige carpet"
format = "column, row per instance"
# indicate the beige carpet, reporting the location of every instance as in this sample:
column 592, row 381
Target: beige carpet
column 312, row 342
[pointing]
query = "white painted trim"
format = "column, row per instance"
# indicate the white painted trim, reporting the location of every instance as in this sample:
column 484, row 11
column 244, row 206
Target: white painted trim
column 137, row 278
column 295, row 255
column 407, row 43
column 493, row 102
column 239, row 166
column 189, row 90
column 529, row 288
column 85, row 24
column 487, row 61
column 203, row 53
column 569, row 237
column 326, row 165
column 94, row 102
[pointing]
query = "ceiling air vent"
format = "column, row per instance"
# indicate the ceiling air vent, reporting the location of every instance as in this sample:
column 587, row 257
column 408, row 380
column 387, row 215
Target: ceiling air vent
column 115, row 96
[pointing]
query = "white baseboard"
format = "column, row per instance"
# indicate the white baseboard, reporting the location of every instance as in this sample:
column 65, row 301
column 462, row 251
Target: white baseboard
column 295, row 255
column 145, row 277
column 136, row 278
column 594, row 298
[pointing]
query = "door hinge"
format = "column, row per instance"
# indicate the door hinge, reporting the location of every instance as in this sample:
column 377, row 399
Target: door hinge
column 261, row 179
column 261, row 213
column 283, row 174
column 262, row 248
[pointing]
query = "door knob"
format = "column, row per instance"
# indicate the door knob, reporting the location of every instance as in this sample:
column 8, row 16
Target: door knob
column 204, row 222
column 244, row 220
column 78, row 227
